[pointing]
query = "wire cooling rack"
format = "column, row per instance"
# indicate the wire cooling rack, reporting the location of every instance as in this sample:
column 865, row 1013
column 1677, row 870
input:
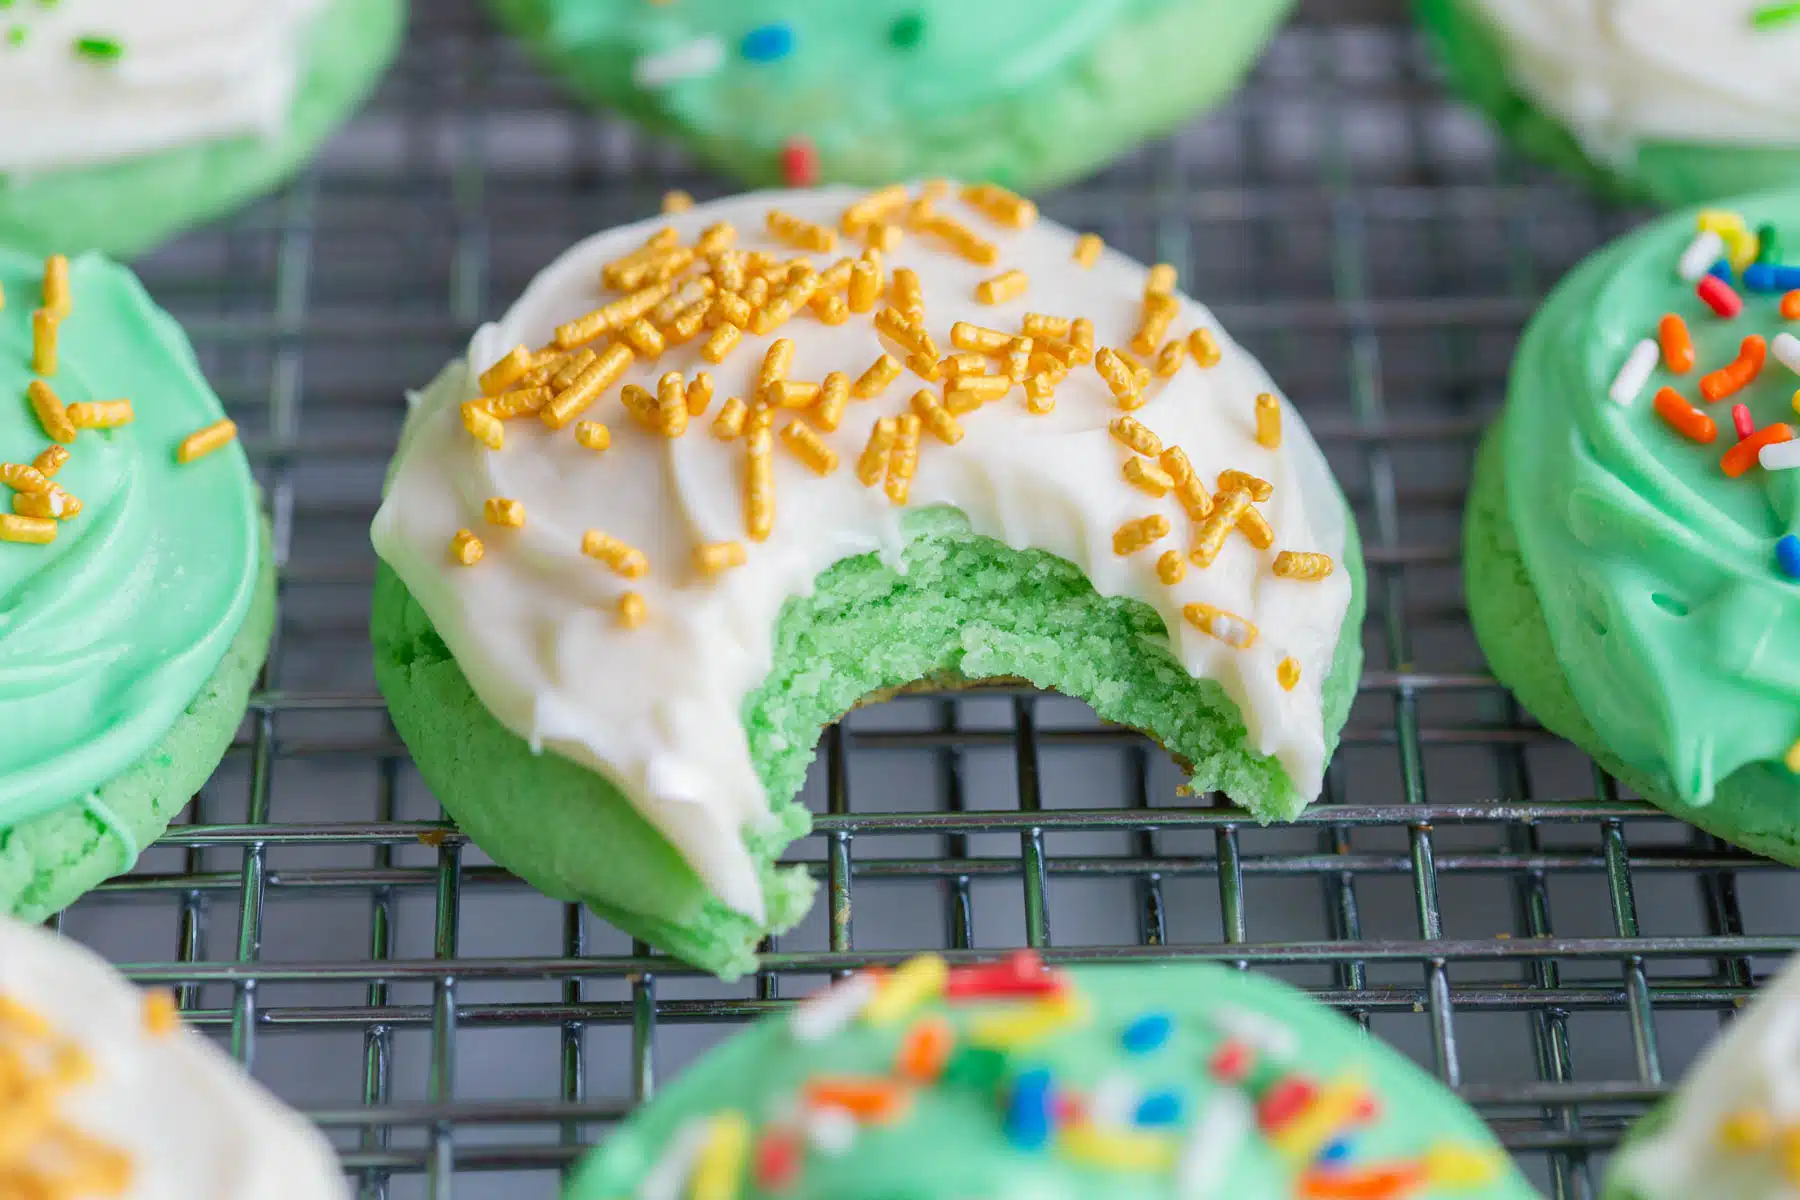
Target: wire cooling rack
column 1471, row 889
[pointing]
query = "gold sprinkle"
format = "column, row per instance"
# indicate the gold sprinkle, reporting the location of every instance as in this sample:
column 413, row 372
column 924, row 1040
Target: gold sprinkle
column 1259, row 489
column 56, row 285
column 874, row 381
column 829, row 307
column 1296, row 564
column 803, row 234
column 1159, row 313
column 1161, row 280
column 960, row 238
column 1747, row 1129
column 791, row 394
column 676, row 201
column 759, row 482
column 1133, row 536
column 872, row 207
column 671, row 404
column 872, row 464
column 1040, row 395
column 809, row 447
column 979, row 340
column 644, row 338
column 1169, row 359
column 1042, row 325
column 51, row 414
column 22, row 478
column 1255, row 528
column 1204, row 347
column 908, row 295
column 903, row 459
column 101, row 414
column 716, row 238
column 506, row 372
column 612, row 315
column 775, row 365
column 834, row 397
column 1188, row 488
column 865, row 286
column 1087, row 249
column 35, row 504
column 659, row 268
column 884, row 236
column 728, row 271
column 699, row 394
column 1002, row 288
column 1001, row 206
column 592, row 435
column 723, row 341
column 1228, row 627
column 161, row 1015
column 1287, row 673
column 730, row 421
column 1210, row 539
column 936, row 417
column 715, row 558
column 958, row 365
column 1171, row 568
column 199, row 444
column 632, row 610
column 929, row 369
column 836, row 277
column 729, row 308
column 982, row 389
column 52, row 460
column 893, row 324
column 1120, row 376
column 570, row 369
column 43, row 341
column 501, row 511
column 1146, row 476
column 519, row 402
column 686, row 327
column 1268, row 421
column 32, row 531
column 482, row 425
column 1081, row 337
column 625, row 560
column 643, row 407
column 579, row 396
column 1135, row 434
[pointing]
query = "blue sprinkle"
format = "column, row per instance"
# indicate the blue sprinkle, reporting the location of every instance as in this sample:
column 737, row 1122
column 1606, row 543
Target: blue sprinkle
column 1721, row 271
column 1787, row 556
column 1147, row 1033
column 1028, row 1111
column 766, row 43
column 1160, row 1108
column 1336, row 1151
column 1771, row 277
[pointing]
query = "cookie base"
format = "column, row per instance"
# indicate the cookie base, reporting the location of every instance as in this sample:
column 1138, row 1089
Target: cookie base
column 966, row 608
column 125, row 208
column 1755, row 807
column 50, row 860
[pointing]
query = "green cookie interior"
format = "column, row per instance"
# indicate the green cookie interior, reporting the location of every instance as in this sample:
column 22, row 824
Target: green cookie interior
column 966, row 608
column 124, row 208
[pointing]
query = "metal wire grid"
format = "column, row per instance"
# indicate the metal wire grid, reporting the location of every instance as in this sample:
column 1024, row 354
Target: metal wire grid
column 1471, row 889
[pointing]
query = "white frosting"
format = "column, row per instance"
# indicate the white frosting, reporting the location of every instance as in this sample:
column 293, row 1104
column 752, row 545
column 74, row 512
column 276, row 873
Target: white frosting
column 192, row 1124
column 1618, row 73
column 191, row 71
column 657, row 708
column 1753, row 1067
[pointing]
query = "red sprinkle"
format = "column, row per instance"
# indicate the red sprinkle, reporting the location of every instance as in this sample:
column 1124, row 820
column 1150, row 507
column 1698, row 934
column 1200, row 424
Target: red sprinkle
column 777, row 1161
column 1230, row 1062
column 1741, row 457
column 800, row 164
column 1283, row 1102
column 1742, row 421
column 1070, row 1108
column 1021, row 974
column 1718, row 296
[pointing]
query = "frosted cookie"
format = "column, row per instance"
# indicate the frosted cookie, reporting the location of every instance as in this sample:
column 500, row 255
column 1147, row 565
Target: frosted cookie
column 108, row 1096
column 1631, row 547
column 1665, row 100
column 136, row 592
column 1030, row 93
column 1191, row 1082
column 715, row 480
column 123, row 122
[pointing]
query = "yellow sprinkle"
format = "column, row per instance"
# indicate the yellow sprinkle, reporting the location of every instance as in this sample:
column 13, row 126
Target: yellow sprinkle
column 904, row 458
column 759, row 483
column 1204, row 347
column 926, row 367
column 829, row 307
column 1255, row 528
column 803, row 234
column 729, row 308
column 660, row 268
column 1792, row 758
column 908, row 295
column 874, row 381
column 1137, row 435
column 1081, row 337
column 43, row 341
column 519, row 402
column 644, row 338
column 1040, row 395
column 957, row 365
column 893, row 324
column 1116, row 1149
column 161, row 1014
column 809, row 447
column 834, row 397
column 612, row 315
column 671, row 404
column 917, row 981
column 961, row 239
column 1171, row 568
column 1188, row 488
column 1169, row 359
column 22, row 478
column 632, row 610
column 983, row 389
column 865, row 286
column 872, row 207
column 677, row 201
column 36, row 504
column 482, row 425
column 1309, row 568
column 872, row 465
column 624, row 559
column 501, row 511
column 1161, row 280
column 1119, row 376
column 1018, row 1026
column 1042, row 325
column 1287, row 673
column 52, row 460
column 677, row 302
column 789, row 393
column 936, row 417
column 575, row 399
column 687, row 326
column 56, row 285
column 775, row 364
column 836, row 277
column 101, row 414
column 1133, row 536
column 506, row 372
column 1461, row 1168
column 1001, row 206
column 719, row 1170
column 717, row 557
column 1007, row 286
column 979, row 340
column 884, row 236
column 1087, row 249
column 699, row 394
column 570, row 369
column 729, row 271
column 643, row 407
column 1746, row 1129
column 1721, row 221
column 51, row 414
column 1259, row 489
column 1147, row 477
column 1210, row 539
column 730, row 421
column 1159, row 313
column 1228, row 627
column 1268, row 421
column 592, row 435
column 723, row 341
column 36, row 531
column 716, row 238
column 1334, row 1106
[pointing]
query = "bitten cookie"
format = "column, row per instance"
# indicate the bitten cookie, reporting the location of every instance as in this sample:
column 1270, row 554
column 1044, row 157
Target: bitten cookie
column 715, row 480
column 1030, row 93
column 107, row 1095
column 1663, row 100
column 137, row 593
column 123, row 122
column 1191, row 1082
column 1631, row 551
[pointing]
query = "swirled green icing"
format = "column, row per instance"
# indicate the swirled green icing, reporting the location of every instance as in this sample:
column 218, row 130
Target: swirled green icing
column 1655, row 571
column 109, row 632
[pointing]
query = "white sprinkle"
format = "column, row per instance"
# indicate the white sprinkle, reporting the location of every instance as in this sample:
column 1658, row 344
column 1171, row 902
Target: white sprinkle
column 826, row 1013
column 1212, row 1144
column 1629, row 383
column 831, row 1130
column 1231, row 631
column 1706, row 249
column 1787, row 351
column 667, row 1179
column 1781, row 456
column 1113, row 1103
column 702, row 56
column 1262, row 1032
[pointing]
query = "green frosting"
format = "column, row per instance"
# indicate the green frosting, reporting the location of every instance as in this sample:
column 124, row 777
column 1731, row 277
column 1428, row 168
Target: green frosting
column 1024, row 92
column 1655, row 571
column 969, row 1133
column 108, row 633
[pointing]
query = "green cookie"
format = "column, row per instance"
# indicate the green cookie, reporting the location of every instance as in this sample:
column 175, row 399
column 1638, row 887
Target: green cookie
column 966, row 608
column 1028, row 93
column 125, row 208
column 1667, row 173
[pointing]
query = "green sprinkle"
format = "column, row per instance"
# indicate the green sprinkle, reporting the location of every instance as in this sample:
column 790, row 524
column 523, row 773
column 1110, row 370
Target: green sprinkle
column 1768, row 244
column 15, row 36
column 1771, row 15
column 99, row 49
column 907, row 31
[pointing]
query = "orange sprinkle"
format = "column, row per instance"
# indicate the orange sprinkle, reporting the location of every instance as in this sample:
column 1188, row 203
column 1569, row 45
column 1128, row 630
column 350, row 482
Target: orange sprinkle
column 1684, row 418
column 871, row 1100
column 925, row 1050
column 1677, row 345
column 1790, row 306
column 1732, row 378
column 161, row 1014
column 1741, row 457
